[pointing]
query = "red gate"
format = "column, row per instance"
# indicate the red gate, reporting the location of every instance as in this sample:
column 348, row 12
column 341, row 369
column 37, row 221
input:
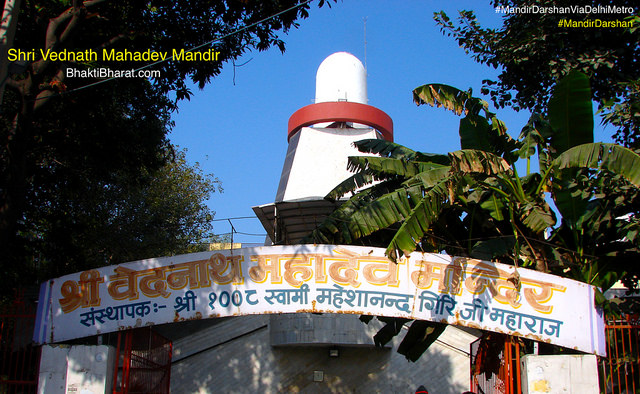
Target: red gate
column 19, row 358
column 495, row 360
column 495, row 364
column 620, row 370
column 143, row 362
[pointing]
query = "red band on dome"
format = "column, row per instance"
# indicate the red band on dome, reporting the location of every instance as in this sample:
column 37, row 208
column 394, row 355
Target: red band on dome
column 341, row 111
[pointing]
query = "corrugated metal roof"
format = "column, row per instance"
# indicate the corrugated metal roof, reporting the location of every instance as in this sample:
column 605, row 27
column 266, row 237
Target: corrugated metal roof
column 295, row 219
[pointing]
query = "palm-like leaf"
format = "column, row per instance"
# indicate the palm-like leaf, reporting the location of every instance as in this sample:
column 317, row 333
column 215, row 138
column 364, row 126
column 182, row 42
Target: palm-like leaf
column 384, row 167
column 417, row 223
column 474, row 130
column 535, row 134
column 384, row 148
column 473, row 201
column 396, row 151
column 611, row 157
column 379, row 206
column 369, row 169
column 537, row 216
column 370, row 210
column 448, row 97
column 571, row 112
column 336, row 227
column 389, row 209
column 482, row 132
column 429, row 178
column 472, row 161
column 350, row 185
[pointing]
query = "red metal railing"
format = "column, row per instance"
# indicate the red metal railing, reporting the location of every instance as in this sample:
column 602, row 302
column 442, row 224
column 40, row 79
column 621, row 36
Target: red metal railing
column 495, row 361
column 620, row 370
column 19, row 359
column 495, row 365
column 143, row 362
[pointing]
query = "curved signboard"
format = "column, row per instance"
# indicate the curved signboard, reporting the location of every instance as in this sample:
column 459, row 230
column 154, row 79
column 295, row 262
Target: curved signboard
column 325, row 279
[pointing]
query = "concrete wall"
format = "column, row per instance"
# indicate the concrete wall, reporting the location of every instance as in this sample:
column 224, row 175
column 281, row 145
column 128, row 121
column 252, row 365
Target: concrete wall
column 235, row 356
column 76, row 369
column 328, row 329
column 316, row 161
column 560, row 374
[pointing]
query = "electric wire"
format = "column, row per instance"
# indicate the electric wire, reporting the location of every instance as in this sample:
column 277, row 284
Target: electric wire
column 443, row 243
column 234, row 218
column 233, row 229
column 251, row 234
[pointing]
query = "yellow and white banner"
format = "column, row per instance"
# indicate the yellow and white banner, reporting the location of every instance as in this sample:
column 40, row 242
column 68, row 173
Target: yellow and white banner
column 325, row 279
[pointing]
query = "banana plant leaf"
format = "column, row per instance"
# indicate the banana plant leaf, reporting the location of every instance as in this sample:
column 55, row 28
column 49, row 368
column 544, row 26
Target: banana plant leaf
column 418, row 220
column 571, row 112
column 477, row 161
column 382, row 167
column 419, row 337
column 474, row 133
column 450, row 98
column 600, row 156
column 385, row 148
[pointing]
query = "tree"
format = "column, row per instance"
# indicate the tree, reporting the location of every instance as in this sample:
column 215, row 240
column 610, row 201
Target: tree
column 133, row 217
column 473, row 202
column 533, row 52
column 231, row 27
column 101, row 136
column 62, row 136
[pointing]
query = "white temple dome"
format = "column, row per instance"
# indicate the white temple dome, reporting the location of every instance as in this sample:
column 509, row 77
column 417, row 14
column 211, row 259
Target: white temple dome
column 341, row 77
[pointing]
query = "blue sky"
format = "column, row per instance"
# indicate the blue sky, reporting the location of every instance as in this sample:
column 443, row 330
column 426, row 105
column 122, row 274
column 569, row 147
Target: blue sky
column 238, row 131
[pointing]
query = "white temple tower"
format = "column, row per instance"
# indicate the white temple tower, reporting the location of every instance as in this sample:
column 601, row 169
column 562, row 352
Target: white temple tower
column 321, row 137
column 341, row 77
column 309, row 352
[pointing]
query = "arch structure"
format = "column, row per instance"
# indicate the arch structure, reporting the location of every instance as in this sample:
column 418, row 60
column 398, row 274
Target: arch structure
column 321, row 279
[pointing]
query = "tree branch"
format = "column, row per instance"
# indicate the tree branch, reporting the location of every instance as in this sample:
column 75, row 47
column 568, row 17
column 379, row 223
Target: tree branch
column 43, row 97
column 75, row 13
column 112, row 41
column 54, row 23
column 78, row 15
column 91, row 3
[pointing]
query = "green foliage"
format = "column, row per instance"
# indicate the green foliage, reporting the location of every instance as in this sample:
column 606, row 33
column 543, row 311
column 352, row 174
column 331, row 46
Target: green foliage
column 476, row 204
column 611, row 157
column 570, row 113
column 157, row 25
column 450, row 98
column 415, row 194
column 533, row 52
column 54, row 159
column 87, row 176
column 624, row 114
column 479, row 128
column 134, row 216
